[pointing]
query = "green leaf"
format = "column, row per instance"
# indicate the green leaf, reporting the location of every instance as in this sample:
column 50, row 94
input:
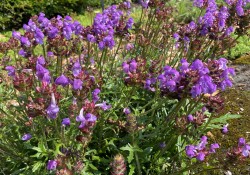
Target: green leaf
column 223, row 119
column 131, row 169
column 37, row 166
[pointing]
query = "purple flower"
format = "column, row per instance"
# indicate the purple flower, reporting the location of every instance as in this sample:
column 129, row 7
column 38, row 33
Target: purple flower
column 90, row 117
column 129, row 46
column 239, row 8
column 103, row 105
column 67, row 32
column 25, row 41
column 132, row 66
column 22, row 53
column 50, row 54
column 176, row 36
column 198, row 3
column 245, row 150
column 213, row 147
column 11, row 71
column 42, row 73
column 223, row 15
column 144, row 3
column 200, row 156
column 125, row 67
column 224, row 130
column 241, row 142
column 16, row 35
column 53, row 109
column 39, row 36
column 95, row 96
column 80, row 117
column 52, row 164
column 91, row 38
column 66, row 122
column 190, row 151
column 26, row 137
column 149, row 82
column 76, row 69
column 52, row 32
column 126, row 111
column 77, row 84
column 190, row 118
column 40, row 60
column 62, row 80
column 130, row 23
column 229, row 30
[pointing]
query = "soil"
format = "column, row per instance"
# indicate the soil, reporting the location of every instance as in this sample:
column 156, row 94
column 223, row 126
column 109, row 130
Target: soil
column 237, row 101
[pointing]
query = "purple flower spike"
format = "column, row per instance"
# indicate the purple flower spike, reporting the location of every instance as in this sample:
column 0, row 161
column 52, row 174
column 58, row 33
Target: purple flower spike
column 66, row 122
column 26, row 137
column 53, row 109
column 62, row 80
column 90, row 117
column 77, row 84
column 41, row 60
column 11, row 71
column 52, row 164
column 190, row 118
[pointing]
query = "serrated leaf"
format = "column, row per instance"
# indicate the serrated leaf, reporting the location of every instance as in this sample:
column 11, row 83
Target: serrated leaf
column 223, row 119
column 131, row 169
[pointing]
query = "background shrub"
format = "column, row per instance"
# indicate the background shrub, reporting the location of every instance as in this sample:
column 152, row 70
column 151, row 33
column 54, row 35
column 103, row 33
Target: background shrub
column 14, row 13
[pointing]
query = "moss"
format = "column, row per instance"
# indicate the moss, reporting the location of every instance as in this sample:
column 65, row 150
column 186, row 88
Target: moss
column 243, row 60
column 236, row 102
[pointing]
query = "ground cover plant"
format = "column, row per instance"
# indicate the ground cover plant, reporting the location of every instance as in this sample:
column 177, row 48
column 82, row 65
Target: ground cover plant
column 119, row 97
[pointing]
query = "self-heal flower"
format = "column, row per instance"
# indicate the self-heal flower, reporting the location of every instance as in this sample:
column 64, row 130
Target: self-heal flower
column 26, row 137
column 66, row 122
column 126, row 111
column 103, row 105
column 80, row 117
column 11, row 71
column 25, row 41
column 53, row 109
column 132, row 66
column 77, row 84
column 16, row 35
column 125, row 67
column 91, row 117
column 39, row 36
column 76, row 69
column 62, row 80
column 52, row 164
column 22, row 52
column 91, row 38
column 224, row 130
column 95, row 96
column 190, row 118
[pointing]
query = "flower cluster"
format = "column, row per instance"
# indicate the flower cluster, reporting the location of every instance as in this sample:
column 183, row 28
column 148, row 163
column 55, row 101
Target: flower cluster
column 200, row 151
column 243, row 149
column 111, row 21
column 196, row 78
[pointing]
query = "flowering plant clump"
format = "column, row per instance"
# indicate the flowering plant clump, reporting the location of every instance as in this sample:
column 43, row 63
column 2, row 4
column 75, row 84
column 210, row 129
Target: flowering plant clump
column 119, row 96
